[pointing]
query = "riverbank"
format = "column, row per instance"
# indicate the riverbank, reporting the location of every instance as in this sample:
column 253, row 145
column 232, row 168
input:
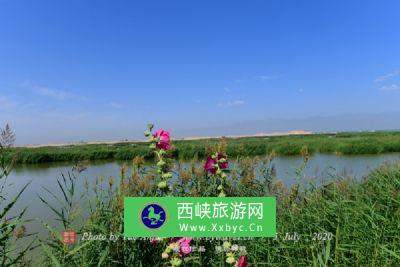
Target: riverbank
column 340, row 143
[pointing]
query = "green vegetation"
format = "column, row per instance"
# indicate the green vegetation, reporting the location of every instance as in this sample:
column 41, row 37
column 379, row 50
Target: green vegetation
column 342, row 143
column 362, row 217
column 13, row 244
column 343, row 223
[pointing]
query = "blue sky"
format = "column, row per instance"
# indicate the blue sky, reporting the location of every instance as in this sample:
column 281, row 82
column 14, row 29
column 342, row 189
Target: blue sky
column 100, row 70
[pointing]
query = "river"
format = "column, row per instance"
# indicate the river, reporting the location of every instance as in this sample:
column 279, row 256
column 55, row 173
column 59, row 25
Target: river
column 320, row 167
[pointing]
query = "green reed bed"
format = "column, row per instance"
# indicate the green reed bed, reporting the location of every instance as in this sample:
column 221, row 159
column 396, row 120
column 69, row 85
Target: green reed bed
column 363, row 218
column 343, row 223
column 342, row 143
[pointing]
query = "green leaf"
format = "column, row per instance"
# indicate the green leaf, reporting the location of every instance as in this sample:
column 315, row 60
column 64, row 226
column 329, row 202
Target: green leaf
column 390, row 252
column 54, row 260
column 103, row 257
column 11, row 204
column 76, row 249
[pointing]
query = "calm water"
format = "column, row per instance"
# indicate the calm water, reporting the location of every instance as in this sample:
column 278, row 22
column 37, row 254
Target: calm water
column 320, row 167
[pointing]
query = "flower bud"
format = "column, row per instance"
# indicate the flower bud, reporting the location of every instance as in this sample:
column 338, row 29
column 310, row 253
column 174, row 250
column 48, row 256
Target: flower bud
column 150, row 126
column 147, row 133
column 226, row 245
column 161, row 163
column 176, row 262
column 20, row 232
column 164, row 255
column 167, row 175
column 230, row 254
column 162, row 185
column 110, row 181
column 230, row 260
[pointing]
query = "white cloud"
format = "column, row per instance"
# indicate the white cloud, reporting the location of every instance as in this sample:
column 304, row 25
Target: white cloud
column 236, row 103
column 387, row 76
column 48, row 91
column 232, row 103
column 392, row 87
column 51, row 92
column 267, row 77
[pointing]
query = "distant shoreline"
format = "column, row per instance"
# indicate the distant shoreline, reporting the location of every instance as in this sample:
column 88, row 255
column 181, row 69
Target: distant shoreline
column 294, row 132
column 289, row 144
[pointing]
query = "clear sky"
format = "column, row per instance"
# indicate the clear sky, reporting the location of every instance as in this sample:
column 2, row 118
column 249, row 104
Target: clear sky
column 100, row 70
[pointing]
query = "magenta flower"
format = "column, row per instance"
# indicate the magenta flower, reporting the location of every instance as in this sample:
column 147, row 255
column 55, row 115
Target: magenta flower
column 184, row 244
column 222, row 165
column 185, row 248
column 163, row 139
column 210, row 163
column 184, row 240
column 242, row 262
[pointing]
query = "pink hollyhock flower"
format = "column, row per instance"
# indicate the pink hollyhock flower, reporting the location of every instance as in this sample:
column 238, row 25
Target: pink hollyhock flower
column 163, row 139
column 242, row 262
column 210, row 163
column 184, row 240
column 185, row 247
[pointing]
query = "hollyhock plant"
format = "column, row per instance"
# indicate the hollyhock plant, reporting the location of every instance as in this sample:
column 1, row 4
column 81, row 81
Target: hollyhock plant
column 242, row 262
column 222, row 161
column 215, row 162
column 160, row 143
column 163, row 139
column 177, row 249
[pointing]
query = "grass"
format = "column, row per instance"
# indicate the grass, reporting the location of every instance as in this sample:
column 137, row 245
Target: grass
column 362, row 217
column 341, row 143
column 343, row 223
column 13, row 243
